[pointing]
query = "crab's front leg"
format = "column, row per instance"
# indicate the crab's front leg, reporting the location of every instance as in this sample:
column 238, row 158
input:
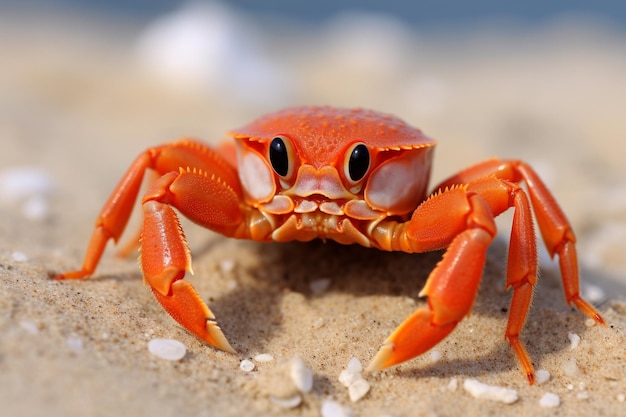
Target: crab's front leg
column 165, row 255
column 453, row 284
column 207, row 193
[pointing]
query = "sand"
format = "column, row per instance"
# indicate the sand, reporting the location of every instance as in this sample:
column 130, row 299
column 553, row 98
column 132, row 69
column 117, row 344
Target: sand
column 76, row 105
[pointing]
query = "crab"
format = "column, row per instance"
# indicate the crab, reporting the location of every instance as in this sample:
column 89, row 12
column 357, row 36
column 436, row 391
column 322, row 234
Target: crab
column 354, row 176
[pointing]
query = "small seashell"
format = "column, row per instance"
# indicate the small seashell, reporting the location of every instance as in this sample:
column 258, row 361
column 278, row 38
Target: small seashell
column 168, row 349
column 332, row 408
column 435, row 355
column 542, row 376
column 549, row 400
column 574, row 340
column 246, row 365
column 358, row 389
column 263, row 357
column 490, row 392
column 289, row 402
column 301, row 375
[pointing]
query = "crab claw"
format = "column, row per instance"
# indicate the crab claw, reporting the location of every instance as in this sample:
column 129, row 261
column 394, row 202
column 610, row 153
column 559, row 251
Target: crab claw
column 415, row 336
column 186, row 307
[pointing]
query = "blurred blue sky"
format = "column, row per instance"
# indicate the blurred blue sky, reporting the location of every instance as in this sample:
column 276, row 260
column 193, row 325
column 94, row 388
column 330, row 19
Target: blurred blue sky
column 420, row 14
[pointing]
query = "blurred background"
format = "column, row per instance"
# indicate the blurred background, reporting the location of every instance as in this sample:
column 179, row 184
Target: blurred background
column 84, row 86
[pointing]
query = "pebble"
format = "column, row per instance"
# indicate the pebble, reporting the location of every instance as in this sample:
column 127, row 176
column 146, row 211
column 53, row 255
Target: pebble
column 354, row 366
column 168, row 349
column 358, row 389
column 549, row 400
column 246, row 365
column 301, row 375
column 574, row 340
column 542, row 376
column 351, row 378
column 490, row 392
column 347, row 378
column 332, row 408
column 263, row 357
column 435, row 355
column 287, row 403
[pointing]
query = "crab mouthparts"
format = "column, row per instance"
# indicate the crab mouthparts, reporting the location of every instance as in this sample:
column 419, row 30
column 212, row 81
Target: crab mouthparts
column 324, row 182
column 310, row 206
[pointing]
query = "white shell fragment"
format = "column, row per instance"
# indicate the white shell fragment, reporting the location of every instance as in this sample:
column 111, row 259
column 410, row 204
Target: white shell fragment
column 542, row 376
column 168, row 349
column 354, row 366
column 549, row 400
column 301, row 375
column 263, row 357
column 347, row 378
column 351, row 378
column 435, row 355
column 358, row 389
column 574, row 340
column 490, row 392
column 246, row 365
column 332, row 408
column 287, row 403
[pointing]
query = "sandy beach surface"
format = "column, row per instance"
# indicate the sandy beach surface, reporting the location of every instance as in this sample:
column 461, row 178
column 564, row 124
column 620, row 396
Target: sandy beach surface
column 79, row 99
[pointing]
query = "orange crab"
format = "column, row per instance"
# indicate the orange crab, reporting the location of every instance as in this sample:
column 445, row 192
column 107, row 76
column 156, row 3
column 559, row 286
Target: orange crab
column 353, row 176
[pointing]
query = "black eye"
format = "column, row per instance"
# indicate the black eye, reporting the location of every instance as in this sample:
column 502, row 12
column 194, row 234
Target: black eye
column 358, row 162
column 279, row 156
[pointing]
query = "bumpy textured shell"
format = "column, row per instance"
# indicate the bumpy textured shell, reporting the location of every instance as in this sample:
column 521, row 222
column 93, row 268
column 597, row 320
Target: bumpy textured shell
column 321, row 134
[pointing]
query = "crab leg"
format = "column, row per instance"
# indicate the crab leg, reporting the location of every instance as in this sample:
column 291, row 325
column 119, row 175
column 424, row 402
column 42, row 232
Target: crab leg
column 115, row 213
column 452, row 286
column 432, row 225
column 208, row 194
column 557, row 234
column 165, row 255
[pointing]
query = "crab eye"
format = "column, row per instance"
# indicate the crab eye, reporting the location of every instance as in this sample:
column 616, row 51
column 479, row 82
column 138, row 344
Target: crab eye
column 357, row 162
column 279, row 153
